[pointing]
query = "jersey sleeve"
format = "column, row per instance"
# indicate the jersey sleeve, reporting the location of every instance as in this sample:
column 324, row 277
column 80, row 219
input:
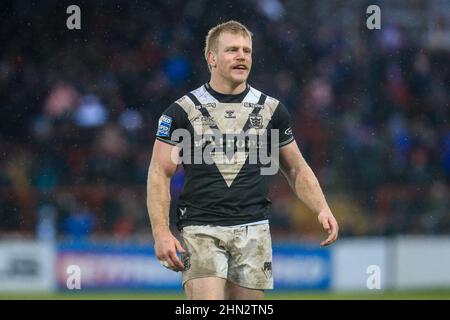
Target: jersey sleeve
column 282, row 121
column 174, row 117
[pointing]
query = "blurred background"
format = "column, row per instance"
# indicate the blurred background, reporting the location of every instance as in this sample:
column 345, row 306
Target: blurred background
column 79, row 110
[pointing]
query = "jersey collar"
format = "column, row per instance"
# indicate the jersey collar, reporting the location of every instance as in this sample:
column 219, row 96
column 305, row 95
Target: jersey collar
column 227, row 98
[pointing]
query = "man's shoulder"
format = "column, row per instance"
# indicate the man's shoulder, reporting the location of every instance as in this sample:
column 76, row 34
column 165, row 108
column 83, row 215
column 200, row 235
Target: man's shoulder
column 258, row 97
column 196, row 97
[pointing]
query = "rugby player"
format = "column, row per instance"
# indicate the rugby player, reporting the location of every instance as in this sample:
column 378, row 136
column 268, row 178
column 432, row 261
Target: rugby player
column 223, row 211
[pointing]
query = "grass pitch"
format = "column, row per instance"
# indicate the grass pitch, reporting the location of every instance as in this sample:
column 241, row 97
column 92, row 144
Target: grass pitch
column 280, row 295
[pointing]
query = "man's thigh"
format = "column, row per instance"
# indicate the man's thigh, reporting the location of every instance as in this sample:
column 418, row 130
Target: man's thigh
column 206, row 256
column 208, row 288
column 250, row 263
column 236, row 292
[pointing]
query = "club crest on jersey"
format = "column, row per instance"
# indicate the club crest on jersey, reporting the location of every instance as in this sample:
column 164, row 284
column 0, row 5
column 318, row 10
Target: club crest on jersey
column 229, row 114
column 253, row 105
column 256, row 121
column 164, row 124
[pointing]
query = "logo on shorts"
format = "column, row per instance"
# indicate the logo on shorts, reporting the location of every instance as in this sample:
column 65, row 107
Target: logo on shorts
column 186, row 259
column 267, row 269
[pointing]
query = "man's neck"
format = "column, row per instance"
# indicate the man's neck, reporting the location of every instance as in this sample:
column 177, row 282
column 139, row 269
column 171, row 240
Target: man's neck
column 225, row 87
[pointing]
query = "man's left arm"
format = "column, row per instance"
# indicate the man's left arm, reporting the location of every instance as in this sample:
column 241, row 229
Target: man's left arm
column 307, row 188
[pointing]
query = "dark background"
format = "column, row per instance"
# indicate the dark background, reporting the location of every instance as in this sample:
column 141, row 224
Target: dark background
column 79, row 108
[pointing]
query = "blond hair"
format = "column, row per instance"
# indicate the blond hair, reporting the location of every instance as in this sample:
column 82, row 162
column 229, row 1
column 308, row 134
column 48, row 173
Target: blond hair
column 212, row 37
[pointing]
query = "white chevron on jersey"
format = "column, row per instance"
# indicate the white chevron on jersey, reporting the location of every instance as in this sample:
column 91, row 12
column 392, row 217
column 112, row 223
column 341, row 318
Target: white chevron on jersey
column 229, row 118
column 203, row 95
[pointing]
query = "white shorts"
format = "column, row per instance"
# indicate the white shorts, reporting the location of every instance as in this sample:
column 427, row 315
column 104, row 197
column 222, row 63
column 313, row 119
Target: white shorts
column 240, row 254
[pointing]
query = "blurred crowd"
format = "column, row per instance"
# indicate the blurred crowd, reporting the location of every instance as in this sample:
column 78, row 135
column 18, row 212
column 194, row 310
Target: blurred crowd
column 79, row 110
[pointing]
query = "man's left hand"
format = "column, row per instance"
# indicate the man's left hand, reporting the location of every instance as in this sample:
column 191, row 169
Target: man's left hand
column 330, row 225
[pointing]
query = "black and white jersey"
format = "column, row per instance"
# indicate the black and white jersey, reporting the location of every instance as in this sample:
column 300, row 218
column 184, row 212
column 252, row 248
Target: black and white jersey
column 223, row 193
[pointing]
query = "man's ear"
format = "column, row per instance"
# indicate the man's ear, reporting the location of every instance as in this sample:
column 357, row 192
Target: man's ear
column 212, row 59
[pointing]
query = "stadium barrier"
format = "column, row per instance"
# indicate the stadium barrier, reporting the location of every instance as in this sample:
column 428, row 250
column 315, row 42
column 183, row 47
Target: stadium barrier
column 422, row 262
column 135, row 267
column 399, row 263
column 27, row 266
column 352, row 259
column 112, row 267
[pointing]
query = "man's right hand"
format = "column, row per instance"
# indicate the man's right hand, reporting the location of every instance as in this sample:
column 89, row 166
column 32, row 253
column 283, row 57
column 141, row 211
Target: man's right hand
column 166, row 248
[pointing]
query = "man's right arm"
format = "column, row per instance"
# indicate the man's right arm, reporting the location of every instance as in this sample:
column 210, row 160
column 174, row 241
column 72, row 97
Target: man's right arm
column 161, row 169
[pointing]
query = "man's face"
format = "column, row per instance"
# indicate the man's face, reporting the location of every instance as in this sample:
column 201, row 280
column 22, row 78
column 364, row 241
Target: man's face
column 233, row 59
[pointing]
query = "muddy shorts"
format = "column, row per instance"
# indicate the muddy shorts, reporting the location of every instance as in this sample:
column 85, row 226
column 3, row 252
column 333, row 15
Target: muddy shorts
column 240, row 254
